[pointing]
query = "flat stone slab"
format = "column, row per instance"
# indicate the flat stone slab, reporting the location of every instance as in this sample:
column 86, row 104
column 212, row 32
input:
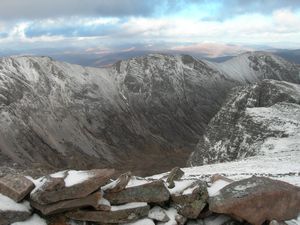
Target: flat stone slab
column 149, row 192
column 118, row 214
column 258, row 199
column 15, row 187
column 66, row 185
column 67, row 205
column 11, row 212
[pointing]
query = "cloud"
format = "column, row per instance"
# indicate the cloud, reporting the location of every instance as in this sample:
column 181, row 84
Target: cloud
column 37, row 9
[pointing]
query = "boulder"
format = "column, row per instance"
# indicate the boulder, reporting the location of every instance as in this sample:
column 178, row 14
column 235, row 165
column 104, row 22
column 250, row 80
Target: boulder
column 175, row 174
column 149, row 192
column 158, row 214
column 181, row 220
column 11, row 212
column 15, row 187
column 118, row 214
column 119, row 184
column 63, row 206
column 192, row 200
column 68, row 185
column 258, row 199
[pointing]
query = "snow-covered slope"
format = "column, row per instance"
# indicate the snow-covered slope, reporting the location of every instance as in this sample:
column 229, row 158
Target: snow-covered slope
column 259, row 124
column 155, row 107
column 254, row 66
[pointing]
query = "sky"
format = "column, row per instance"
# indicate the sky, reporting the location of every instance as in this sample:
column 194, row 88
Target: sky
column 99, row 27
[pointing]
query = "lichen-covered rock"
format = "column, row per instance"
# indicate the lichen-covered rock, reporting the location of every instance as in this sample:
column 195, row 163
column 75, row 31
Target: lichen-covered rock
column 118, row 214
column 192, row 200
column 175, row 174
column 258, row 199
column 15, row 186
column 150, row 192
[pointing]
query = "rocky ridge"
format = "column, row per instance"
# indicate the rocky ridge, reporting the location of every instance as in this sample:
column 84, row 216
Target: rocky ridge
column 58, row 115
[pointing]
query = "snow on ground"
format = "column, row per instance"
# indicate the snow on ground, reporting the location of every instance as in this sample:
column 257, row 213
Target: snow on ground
column 7, row 204
column 214, row 189
column 137, row 181
column 130, row 205
column 76, row 177
column 171, row 213
column 33, row 220
column 145, row 221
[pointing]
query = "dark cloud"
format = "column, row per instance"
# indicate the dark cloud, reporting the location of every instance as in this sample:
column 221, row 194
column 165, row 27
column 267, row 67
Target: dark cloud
column 36, row 9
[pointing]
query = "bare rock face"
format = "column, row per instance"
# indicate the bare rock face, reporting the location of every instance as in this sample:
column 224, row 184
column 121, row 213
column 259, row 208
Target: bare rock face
column 257, row 200
column 15, row 186
column 67, row 205
column 250, row 122
column 68, row 185
column 150, row 192
column 192, row 200
column 119, row 214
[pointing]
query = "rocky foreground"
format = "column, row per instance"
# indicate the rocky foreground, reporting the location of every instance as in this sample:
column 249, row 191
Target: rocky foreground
column 92, row 197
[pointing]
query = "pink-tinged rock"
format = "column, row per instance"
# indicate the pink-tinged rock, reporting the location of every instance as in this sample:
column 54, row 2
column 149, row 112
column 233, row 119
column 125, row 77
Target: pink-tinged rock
column 16, row 187
column 258, row 199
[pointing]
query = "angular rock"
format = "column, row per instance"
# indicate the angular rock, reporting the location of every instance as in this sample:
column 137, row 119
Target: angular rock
column 11, row 212
column 118, row 214
column 33, row 220
column 158, row 214
column 175, row 174
column 258, row 199
column 181, row 220
column 192, row 200
column 68, row 185
column 103, row 204
column 150, row 192
column 119, row 184
column 144, row 221
column 63, row 206
column 15, row 186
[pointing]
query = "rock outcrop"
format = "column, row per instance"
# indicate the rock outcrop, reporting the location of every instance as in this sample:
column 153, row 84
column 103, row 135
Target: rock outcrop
column 251, row 123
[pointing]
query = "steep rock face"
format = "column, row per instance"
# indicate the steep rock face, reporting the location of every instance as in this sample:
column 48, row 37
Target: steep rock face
column 155, row 108
column 261, row 119
column 59, row 115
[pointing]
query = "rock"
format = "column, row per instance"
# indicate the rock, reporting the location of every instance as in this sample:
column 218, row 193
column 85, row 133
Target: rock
column 103, row 204
column 195, row 222
column 118, row 214
column 158, row 214
column 217, row 220
column 175, row 174
column 11, row 212
column 33, row 220
column 217, row 177
column 68, row 185
column 171, row 213
column 192, row 200
column 258, row 199
column 15, row 186
column 275, row 222
column 150, row 192
column 181, row 220
column 63, row 206
column 119, row 184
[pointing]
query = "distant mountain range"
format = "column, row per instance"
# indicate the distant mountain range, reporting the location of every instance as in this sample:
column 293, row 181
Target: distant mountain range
column 144, row 114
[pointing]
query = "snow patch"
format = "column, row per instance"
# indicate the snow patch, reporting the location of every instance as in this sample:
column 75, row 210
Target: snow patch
column 131, row 205
column 33, row 220
column 215, row 188
column 7, row 204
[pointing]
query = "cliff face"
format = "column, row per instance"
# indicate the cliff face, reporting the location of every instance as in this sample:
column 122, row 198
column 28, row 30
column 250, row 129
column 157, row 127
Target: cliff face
column 258, row 120
column 142, row 114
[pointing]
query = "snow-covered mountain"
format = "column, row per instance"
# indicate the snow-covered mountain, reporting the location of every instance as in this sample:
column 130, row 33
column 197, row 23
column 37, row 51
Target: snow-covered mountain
column 259, row 123
column 141, row 114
